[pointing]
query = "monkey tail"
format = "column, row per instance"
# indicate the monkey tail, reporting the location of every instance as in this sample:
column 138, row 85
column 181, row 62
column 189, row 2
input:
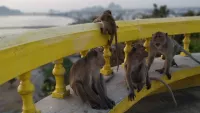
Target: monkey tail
column 170, row 91
column 117, row 49
column 187, row 53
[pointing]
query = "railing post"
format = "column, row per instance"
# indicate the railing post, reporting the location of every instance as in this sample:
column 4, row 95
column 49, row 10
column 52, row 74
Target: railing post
column 146, row 44
column 106, row 70
column 186, row 43
column 83, row 53
column 25, row 89
column 127, row 49
column 60, row 89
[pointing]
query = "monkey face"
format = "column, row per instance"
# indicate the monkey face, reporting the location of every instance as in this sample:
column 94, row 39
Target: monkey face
column 159, row 39
column 138, row 54
column 140, row 51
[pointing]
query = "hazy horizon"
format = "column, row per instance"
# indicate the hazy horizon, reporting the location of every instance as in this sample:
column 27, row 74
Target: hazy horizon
column 67, row 5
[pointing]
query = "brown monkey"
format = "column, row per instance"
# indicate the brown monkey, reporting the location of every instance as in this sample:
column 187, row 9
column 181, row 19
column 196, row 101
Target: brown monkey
column 87, row 82
column 109, row 26
column 166, row 46
column 137, row 72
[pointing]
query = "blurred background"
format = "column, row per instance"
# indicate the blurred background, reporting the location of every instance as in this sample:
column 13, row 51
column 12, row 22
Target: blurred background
column 18, row 16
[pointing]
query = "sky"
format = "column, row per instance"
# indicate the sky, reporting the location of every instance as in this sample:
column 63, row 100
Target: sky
column 67, row 5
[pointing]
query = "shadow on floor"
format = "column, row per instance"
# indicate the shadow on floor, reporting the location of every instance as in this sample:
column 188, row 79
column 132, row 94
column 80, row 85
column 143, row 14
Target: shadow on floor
column 188, row 101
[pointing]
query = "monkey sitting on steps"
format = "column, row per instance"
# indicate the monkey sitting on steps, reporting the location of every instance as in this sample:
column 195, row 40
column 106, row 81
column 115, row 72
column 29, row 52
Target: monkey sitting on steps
column 87, row 82
column 137, row 72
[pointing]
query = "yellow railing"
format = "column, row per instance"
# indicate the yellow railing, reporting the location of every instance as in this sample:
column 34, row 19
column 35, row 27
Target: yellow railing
column 22, row 53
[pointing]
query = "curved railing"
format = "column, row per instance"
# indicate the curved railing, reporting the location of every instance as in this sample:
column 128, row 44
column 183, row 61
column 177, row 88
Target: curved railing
column 19, row 54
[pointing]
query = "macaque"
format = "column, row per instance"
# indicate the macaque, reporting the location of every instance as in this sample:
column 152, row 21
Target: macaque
column 168, row 47
column 87, row 82
column 137, row 72
column 109, row 26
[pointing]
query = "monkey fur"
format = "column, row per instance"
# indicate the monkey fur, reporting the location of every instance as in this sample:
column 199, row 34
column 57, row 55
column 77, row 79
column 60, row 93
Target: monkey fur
column 137, row 72
column 168, row 47
column 87, row 82
column 109, row 26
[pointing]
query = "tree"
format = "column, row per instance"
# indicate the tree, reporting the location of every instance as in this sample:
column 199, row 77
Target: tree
column 189, row 13
column 155, row 12
column 198, row 14
column 160, row 12
column 164, row 12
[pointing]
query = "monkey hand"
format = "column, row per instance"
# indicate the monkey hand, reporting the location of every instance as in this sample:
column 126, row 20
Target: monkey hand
column 102, row 31
column 111, row 103
column 148, row 86
column 169, row 76
column 131, row 95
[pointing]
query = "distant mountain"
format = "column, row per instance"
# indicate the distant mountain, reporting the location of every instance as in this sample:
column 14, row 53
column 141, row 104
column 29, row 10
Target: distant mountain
column 6, row 11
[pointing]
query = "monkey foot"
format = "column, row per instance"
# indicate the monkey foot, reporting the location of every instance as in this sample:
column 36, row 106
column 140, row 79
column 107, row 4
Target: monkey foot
column 139, row 88
column 111, row 103
column 148, row 86
column 174, row 64
column 95, row 106
column 161, row 71
column 169, row 76
column 131, row 96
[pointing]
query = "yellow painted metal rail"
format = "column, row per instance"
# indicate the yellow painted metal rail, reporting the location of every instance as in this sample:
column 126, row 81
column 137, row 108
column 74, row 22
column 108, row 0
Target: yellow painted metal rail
column 22, row 53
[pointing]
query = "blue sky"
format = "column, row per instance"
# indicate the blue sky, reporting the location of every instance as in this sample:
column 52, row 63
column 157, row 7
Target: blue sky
column 66, row 5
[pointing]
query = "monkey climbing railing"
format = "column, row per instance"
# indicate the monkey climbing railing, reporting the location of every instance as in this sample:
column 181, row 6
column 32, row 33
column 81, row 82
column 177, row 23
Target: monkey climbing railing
column 19, row 54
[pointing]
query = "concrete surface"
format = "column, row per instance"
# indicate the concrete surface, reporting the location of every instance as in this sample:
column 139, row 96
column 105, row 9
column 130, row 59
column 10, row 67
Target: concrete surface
column 116, row 90
column 188, row 102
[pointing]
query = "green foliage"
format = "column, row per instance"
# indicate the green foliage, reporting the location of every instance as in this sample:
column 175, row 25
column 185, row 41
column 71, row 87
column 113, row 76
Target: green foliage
column 189, row 13
column 198, row 14
column 67, row 65
column 195, row 44
column 161, row 12
column 49, row 81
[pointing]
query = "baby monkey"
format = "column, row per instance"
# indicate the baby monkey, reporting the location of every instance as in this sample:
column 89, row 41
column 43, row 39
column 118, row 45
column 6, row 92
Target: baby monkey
column 137, row 72
column 168, row 47
column 109, row 26
column 87, row 82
